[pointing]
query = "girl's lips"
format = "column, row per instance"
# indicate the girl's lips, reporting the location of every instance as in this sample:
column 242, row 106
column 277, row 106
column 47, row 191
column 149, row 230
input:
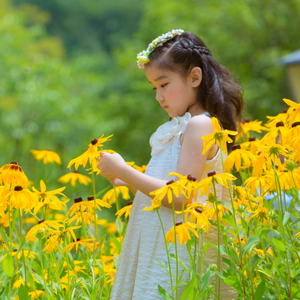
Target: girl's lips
column 164, row 106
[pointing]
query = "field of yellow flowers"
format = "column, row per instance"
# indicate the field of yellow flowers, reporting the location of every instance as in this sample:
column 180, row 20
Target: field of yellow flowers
column 55, row 247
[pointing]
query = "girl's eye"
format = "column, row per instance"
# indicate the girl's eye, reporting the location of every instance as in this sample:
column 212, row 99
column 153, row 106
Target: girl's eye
column 164, row 85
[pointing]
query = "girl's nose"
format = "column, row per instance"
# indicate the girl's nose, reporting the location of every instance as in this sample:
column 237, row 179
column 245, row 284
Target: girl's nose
column 159, row 96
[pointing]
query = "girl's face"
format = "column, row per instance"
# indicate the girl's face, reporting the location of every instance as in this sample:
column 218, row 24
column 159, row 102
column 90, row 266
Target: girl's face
column 175, row 94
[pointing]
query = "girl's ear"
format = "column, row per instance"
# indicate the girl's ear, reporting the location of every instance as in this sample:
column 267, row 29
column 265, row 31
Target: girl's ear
column 195, row 77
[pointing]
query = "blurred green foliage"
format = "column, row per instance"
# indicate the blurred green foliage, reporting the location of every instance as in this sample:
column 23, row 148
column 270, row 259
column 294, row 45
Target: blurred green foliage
column 68, row 68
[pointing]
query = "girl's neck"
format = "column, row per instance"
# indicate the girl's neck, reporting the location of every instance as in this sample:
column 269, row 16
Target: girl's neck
column 196, row 109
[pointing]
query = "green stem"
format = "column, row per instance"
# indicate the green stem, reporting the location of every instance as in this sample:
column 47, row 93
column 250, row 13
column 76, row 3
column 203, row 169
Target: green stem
column 23, row 255
column 42, row 265
column 95, row 214
column 175, row 236
column 67, row 261
column 168, row 254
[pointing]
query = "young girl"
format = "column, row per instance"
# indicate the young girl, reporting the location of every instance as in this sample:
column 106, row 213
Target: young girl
column 191, row 87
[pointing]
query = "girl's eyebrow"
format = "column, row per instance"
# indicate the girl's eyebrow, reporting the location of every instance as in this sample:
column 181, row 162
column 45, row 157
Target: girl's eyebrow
column 159, row 77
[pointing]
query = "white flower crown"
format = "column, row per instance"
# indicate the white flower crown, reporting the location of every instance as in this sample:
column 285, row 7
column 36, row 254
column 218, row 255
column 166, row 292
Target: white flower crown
column 143, row 57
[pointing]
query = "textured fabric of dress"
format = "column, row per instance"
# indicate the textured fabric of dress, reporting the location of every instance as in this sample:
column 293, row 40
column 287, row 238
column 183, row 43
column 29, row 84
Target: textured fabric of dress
column 138, row 271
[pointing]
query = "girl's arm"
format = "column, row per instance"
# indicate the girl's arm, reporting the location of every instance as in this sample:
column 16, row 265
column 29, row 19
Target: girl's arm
column 191, row 161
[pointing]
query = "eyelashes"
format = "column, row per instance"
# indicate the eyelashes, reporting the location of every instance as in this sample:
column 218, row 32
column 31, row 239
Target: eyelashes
column 162, row 86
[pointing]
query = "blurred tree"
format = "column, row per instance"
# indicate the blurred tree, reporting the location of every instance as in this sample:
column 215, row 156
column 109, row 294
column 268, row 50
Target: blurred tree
column 88, row 25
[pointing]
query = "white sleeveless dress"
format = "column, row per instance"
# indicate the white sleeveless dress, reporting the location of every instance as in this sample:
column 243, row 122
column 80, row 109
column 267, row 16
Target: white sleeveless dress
column 138, row 272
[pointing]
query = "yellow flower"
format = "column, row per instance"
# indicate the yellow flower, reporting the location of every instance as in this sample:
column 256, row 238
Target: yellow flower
column 212, row 177
column 46, row 196
column 43, row 228
column 171, row 187
column 261, row 214
column 219, row 136
column 4, row 221
column 90, row 154
column 36, row 294
column 20, row 198
column 295, row 109
column 198, row 215
column 111, row 195
column 47, row 156
column 58, row 236
column 297, row 235
column 87, row 243
column 236, row 157
column 251, row 145
column 73, row 177
column 125, row 210
column 211, row 212
column 13, row 174
column 248, row 125
column 254, row 182
column 182, row 232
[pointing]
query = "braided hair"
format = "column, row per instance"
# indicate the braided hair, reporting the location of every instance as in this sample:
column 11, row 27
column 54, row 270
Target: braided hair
column 218, row 93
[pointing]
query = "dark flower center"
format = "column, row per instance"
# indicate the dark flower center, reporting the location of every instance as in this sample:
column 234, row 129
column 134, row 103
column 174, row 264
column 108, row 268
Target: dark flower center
column 18, row 188
column 191, row 178
column 199, row 210
column 279, row 124
column 129, row 202
column 13, row 163
column 252, row 139
column 285, row 111
column 212, row 173
column 295, row 124
column 90, row 198
column 246, row 121
column 78, row 199
column 235, row 147
column 76, row 172
column 178, row 223
column 41, row 221
column 170, row 182
column 94, row 141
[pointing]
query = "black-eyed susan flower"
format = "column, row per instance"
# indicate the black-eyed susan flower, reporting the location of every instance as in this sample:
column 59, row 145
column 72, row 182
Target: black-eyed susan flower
column 20, row 199
column 42, row 229
column 252, row 145
column 219, row 136
column 90, row 154
column 211, row 212
column 252, row 183
column 87, row 243
column 247, row 125
column 261, row 214
column 97, row 203
column 171, row 188
column 13, row 174
column 198, row 215
column 73, row 177
column 47, row 156
column 237, row 158
column 57, row 237
column 46, row 197
column 111, row 195
column 214, row 178
column 125, row 210
column 182, row 232
column 294, row 111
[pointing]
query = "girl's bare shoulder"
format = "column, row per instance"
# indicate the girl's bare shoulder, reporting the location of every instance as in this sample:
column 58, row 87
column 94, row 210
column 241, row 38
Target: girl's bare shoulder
column 200, row 124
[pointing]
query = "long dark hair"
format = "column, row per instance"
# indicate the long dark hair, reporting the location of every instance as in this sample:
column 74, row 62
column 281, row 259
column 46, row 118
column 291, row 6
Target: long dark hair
column 218, row 93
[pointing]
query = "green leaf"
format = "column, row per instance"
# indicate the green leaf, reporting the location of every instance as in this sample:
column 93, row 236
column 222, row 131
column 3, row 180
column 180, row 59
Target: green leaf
column 205, row 280
column 116, row 242
column 23, row 292
column 245, row 226
column 229, row 219
column 5, row 239
column 224, row 204
column 252, row 242
column 295, row 222
column 21, row 246
column 8, row 265
column 286, row 217
column 279, row 244
column 260, row 290
column 188, row 288
column 163, row 293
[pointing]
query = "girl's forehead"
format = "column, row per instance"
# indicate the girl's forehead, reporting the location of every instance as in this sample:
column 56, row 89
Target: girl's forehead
column 154, row 73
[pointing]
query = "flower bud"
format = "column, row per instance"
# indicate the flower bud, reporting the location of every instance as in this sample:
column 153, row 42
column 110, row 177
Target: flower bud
column 40, row 233
column 213, row 267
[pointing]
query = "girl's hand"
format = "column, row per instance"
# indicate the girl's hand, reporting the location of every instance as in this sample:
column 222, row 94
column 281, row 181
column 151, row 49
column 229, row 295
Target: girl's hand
column 110, row 164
